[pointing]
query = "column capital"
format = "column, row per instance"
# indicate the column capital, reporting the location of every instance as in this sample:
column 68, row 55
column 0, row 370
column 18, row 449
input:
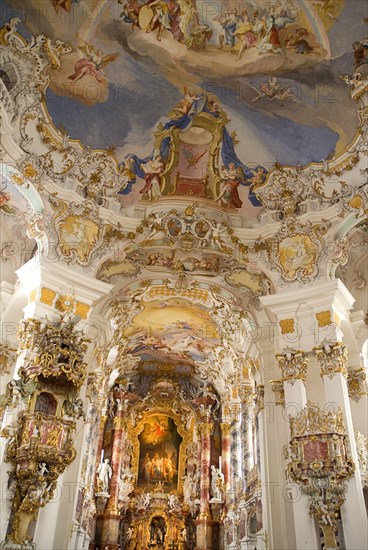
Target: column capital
column 278, row 390
column 119, row 423
column 259, row 399
column 333, row 358
column 293, row 365
column 246, row 394
column 205, row 428
column 357, row 383
column 225, row 428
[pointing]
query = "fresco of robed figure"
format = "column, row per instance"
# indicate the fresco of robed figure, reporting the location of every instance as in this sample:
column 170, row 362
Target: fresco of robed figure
column 159, row 452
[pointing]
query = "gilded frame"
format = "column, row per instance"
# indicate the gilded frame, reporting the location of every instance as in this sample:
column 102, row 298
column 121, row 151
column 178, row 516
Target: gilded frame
column 134, row 432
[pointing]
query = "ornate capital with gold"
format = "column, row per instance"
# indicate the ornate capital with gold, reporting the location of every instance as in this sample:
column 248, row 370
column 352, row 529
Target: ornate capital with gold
column 225, row 428
column 246, row 394
column 357, row 383
column 293, row 365
column 259, row 399
column 333, row 358
column 205, row 428
column 278, row 390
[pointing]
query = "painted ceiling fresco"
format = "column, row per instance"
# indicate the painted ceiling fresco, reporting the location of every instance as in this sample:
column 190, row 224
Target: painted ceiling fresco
column 266, row 73
column 173, row 328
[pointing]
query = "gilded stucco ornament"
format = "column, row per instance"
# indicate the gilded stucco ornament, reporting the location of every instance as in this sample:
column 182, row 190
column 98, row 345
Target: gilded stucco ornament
column 52, row 350
column 278, row 390
column 7, row 358
column 333, row 358
column 362, row 450
column 320, row 463
column 293, row 365
column 357, row 383
column 296, row 249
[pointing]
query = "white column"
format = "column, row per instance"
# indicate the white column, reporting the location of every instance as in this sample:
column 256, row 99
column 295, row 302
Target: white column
column 304, row 524
column 353, row 512
column 260, row 411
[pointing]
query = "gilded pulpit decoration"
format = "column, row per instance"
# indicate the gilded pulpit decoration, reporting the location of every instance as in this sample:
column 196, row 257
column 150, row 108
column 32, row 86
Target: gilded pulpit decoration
column 293, row 365
column 333, row 357
column 42, row 445
column 7, row 357
column 320, row 464
column 357, row 383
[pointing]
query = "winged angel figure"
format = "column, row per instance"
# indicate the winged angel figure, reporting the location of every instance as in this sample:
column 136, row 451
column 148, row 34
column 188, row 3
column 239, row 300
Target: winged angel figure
column 92, row 63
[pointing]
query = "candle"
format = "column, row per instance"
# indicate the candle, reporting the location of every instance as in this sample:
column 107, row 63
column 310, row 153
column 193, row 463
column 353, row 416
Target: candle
column 102, row 455
column 220, row 463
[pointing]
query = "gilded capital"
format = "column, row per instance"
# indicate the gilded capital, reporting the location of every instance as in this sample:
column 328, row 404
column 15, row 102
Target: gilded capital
column 119, row 423
column 259, row 399
column 293, row 365
column 246, row 394
column 225, row 428
column 205, row 428
column 278, row 390
column 333, row 358
column 357, row 384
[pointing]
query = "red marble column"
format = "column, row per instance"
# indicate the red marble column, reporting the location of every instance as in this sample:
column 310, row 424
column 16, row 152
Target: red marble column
column 116, row 462
column 100, row 440
column 111, row 517
column 204, row 521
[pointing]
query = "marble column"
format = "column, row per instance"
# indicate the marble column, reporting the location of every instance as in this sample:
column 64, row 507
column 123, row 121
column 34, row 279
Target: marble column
column 247, row 410
column 225, row 453
column 204, row 521
column 111, row 517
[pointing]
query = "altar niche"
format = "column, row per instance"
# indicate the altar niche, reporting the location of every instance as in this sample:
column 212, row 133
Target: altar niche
column 159, row 451
column 157, row 532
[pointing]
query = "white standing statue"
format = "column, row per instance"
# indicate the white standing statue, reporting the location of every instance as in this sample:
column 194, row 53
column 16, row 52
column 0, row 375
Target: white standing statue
column 104, row 474
column 217, row 483
column 188, row 488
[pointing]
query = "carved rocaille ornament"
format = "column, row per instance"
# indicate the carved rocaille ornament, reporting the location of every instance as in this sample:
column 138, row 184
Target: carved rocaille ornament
column 7, row 357
column 293, row 365
column 42, row 441
column 333, row 358
column 52, row 350
column 320, row 463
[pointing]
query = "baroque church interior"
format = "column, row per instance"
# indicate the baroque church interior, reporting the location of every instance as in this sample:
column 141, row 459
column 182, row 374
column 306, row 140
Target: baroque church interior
column 183, row 275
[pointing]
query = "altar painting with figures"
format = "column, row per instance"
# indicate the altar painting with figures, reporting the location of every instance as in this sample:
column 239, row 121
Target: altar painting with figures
column 159, row 450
